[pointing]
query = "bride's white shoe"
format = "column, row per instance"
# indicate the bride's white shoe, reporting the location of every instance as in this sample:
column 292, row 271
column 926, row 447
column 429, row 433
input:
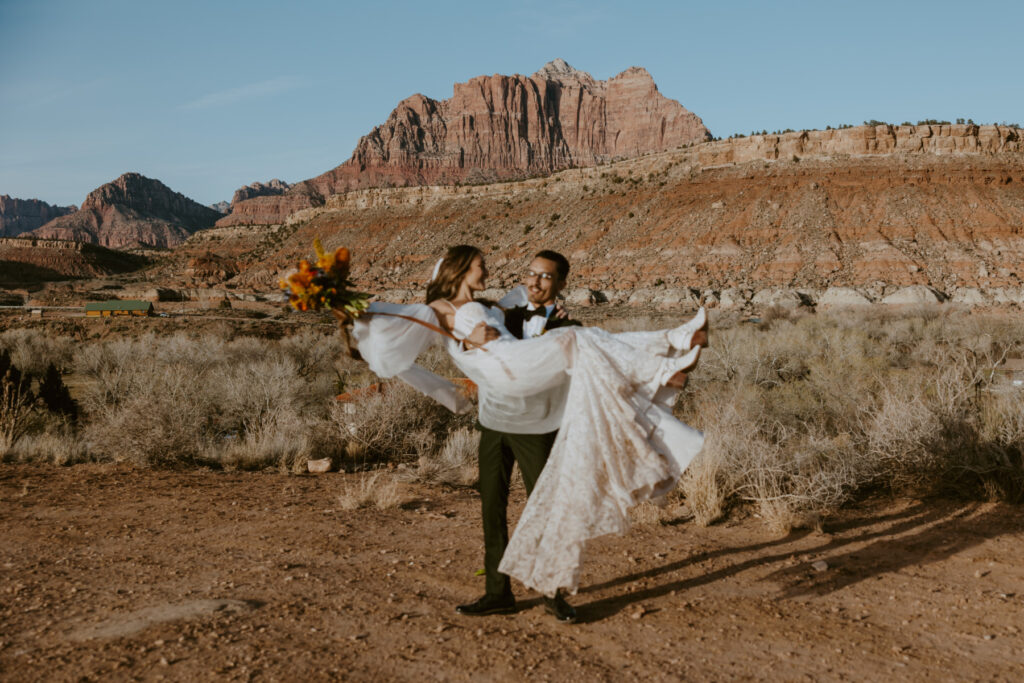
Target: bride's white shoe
column 681, row 338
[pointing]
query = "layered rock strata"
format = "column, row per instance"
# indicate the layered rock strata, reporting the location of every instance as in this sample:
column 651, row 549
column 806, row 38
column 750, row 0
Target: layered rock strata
column 25, row 261
column 23, row 215
column 498, row 128
column 269, row 189
column 132, row 211
column 872, row 224
column 861, row 140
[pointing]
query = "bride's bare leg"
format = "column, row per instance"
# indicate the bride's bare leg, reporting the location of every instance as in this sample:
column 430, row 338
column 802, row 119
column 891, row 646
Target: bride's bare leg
column 691, row 333
column 678, row 380
column 674, row 372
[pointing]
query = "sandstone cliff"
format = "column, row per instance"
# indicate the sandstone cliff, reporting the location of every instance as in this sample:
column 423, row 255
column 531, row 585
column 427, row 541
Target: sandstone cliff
column 22, row 215
column 882, row 139
column 269, row 189
column 498, row 128
column 132, row 211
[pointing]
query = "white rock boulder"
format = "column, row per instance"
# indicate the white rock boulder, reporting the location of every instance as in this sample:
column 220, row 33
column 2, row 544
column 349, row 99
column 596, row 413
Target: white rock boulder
column 843, row 296
column 913, row 295
column 784, row 298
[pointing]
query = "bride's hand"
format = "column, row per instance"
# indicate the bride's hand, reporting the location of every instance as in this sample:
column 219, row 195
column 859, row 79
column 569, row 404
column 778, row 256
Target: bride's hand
column 482, row 334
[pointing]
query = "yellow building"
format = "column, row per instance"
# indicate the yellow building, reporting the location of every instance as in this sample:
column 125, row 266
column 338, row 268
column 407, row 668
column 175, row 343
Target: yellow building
column 127, row 307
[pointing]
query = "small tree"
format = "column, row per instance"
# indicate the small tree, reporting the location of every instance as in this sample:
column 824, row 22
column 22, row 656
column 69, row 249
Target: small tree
column 55, row 395
column 15, row 405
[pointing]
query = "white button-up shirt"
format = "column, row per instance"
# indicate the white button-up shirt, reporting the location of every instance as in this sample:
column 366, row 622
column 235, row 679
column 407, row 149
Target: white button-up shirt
column 534, row 327
column 537, row 414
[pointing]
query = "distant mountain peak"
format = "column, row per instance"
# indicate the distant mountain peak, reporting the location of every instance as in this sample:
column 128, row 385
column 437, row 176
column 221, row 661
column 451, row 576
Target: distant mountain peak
column 496, row 128
column 18, row 216
column 560, row 70
column 131, row 211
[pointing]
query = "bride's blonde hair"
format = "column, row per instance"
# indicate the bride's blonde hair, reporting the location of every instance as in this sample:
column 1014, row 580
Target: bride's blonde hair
column 453, row 268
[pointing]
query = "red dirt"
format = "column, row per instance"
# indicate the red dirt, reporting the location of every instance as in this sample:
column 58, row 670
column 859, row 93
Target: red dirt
column 115, row 573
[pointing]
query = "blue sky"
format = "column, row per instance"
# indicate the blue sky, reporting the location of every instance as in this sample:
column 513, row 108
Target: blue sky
column 208, row 96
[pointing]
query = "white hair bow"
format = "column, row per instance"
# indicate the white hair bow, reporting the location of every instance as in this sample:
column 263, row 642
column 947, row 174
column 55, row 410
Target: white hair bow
column 437, row 269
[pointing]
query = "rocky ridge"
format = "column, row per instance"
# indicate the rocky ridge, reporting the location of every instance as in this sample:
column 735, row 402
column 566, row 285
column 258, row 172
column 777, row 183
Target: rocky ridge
column 130, row 212
column 258, row 189
column 497, row 128
column 821, row 217
column 23, row 215
column 27, row 261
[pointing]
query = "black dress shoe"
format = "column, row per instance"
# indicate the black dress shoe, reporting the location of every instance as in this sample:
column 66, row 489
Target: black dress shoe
column 489, row 604
column 562, row 610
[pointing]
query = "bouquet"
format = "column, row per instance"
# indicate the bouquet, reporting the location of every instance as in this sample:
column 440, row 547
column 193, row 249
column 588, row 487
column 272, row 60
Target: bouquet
column 325, row 285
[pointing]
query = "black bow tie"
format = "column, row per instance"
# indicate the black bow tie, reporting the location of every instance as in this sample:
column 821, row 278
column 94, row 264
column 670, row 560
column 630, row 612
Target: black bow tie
column 540, row 310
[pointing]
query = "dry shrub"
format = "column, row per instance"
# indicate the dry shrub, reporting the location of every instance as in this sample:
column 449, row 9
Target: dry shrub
column 632, row 324
column 376, row 489
column 802, row 416
column 15, row 413
column 436, row 360
column 455, row 464
column 32, row 351
column 163, row 419
column 645, row 514
column 178, row 400
column 900, row 433
column 398, row 423
column 280, row 438
column 54, row 446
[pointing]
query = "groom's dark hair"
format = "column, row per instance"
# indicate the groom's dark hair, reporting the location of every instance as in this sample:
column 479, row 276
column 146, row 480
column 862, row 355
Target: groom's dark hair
column 561, row 263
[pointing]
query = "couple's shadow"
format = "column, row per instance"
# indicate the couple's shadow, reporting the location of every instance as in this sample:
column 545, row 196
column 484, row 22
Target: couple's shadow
column 923, row 533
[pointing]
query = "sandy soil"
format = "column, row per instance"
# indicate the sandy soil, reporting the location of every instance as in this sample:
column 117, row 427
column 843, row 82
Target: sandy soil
column 119, row 574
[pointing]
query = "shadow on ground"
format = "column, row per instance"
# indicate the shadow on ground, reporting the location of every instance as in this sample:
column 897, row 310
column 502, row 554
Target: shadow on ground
column 921, row 534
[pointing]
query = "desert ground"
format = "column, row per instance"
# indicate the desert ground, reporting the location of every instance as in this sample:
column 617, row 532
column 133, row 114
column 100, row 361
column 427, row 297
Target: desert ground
column 108, row 572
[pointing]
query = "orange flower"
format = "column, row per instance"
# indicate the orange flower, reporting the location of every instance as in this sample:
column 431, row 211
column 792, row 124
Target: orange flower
column 324, row 285
column 340, row 263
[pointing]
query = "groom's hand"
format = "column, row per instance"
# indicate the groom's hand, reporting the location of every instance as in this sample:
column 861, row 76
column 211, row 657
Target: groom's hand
column 559, row 311
column 482, row 334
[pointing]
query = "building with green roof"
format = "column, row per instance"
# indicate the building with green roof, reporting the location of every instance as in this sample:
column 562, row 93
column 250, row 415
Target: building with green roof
column 126, row 307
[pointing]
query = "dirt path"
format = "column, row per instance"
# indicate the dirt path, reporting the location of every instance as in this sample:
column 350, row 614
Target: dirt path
column 113, row 573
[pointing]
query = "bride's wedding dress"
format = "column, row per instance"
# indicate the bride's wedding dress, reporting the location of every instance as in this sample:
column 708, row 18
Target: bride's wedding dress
column 618, row 443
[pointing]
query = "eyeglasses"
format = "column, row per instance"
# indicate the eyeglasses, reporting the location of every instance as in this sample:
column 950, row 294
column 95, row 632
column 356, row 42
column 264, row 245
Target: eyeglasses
column 543, row 276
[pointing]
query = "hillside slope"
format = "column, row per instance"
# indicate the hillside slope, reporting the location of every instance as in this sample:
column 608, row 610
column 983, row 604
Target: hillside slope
column 788, row 215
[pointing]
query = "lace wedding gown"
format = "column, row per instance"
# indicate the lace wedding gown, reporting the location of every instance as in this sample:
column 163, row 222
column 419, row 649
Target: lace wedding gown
column 618, row 444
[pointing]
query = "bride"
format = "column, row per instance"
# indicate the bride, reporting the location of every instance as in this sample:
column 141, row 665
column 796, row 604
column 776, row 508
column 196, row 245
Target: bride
column 618, row 443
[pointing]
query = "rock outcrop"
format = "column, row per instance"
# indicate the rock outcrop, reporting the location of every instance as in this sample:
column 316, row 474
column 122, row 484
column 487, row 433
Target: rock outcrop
column 913, row 295
column 859, row 140
column 865, row 225
column 132, row 211
column 497, row 128
column 25, row 261
column 269, row 189
column 23, row 215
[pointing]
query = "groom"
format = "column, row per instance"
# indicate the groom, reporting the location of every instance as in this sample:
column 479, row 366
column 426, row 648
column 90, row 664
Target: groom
column 518, row 430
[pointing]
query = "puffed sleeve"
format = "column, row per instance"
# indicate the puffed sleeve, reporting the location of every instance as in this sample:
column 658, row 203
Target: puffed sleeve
column 390, row 346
